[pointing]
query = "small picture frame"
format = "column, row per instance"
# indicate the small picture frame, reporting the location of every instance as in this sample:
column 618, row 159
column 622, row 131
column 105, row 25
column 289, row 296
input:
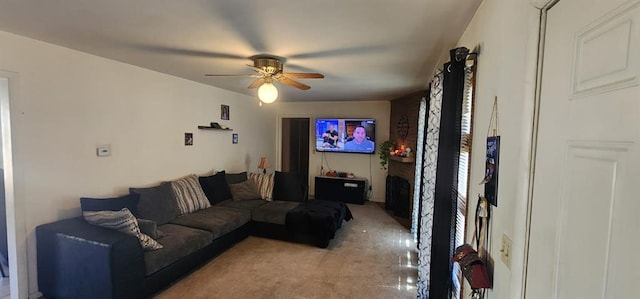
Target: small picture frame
column 188, row 139
column 235, row 138
column 224, row 112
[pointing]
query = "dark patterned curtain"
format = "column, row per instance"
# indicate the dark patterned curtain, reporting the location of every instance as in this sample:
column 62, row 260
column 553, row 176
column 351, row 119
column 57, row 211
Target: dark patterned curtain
column 438, row 200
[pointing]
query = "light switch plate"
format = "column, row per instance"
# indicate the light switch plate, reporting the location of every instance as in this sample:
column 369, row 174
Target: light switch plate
column 505, row 250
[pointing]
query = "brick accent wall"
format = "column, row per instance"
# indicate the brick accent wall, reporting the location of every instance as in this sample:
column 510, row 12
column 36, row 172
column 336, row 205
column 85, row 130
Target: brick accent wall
column 408, row 106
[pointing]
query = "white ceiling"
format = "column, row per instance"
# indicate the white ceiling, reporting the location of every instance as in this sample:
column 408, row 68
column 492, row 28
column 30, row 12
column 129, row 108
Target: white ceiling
column 367, row 49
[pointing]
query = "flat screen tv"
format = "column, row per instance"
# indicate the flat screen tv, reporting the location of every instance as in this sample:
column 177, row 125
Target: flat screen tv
column 346, row 135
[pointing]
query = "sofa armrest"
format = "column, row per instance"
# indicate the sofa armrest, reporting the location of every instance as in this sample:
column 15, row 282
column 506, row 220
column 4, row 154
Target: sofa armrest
column 80, row 260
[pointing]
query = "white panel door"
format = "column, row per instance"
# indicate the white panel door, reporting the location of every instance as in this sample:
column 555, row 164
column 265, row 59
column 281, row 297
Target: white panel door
column 584, row 240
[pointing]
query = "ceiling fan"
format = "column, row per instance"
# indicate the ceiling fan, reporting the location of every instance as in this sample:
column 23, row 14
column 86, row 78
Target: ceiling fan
column 269, row 68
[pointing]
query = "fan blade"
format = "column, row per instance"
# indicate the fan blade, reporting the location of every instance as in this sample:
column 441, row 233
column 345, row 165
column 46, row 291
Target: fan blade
column 256, row 83
column 285, row 80
column 233, row 75
column 257, row 69
column 304, row 75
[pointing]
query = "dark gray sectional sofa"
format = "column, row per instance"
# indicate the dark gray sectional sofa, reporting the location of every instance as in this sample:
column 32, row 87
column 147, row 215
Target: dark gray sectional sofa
column 80, row 260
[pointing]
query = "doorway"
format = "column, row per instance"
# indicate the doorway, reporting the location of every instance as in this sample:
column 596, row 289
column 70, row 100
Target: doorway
column 13, row 189
column 295, row 145
column 5, row 281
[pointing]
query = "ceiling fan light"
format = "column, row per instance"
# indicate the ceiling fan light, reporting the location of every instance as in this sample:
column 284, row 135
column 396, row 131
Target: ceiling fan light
column 267, row 93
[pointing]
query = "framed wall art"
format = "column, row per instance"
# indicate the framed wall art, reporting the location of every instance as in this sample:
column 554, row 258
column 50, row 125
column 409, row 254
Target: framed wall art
column 491, row 170
column 224, row 112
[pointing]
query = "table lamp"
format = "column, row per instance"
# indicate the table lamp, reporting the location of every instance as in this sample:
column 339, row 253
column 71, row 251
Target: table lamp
column 264, row 164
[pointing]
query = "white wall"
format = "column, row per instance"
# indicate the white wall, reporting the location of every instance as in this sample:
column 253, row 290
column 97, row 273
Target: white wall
column 506, row 32
column 4, row 92
column 361, row 165
column 69, row 102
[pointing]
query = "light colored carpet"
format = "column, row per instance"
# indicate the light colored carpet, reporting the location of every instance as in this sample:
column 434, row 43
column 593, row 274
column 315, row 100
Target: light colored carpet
column 372, row 256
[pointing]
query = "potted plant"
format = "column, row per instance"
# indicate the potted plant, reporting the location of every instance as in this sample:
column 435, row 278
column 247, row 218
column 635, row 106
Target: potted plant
column 385, row 151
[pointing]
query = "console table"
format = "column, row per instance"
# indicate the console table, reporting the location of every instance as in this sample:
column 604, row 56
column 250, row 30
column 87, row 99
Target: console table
column 348, row 190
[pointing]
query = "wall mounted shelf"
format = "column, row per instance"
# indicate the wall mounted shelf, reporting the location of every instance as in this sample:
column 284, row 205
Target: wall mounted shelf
column 212, row 128
column 402, row 159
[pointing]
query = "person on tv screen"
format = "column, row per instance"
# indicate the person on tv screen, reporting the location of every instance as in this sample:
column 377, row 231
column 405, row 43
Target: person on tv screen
column 330, row 137
column 359, row 143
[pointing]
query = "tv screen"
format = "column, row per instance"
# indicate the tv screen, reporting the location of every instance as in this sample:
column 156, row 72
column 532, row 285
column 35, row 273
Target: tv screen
column 346, row 135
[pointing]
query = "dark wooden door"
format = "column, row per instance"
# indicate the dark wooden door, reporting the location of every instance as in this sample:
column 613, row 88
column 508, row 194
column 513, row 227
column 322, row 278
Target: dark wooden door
column 295, row 145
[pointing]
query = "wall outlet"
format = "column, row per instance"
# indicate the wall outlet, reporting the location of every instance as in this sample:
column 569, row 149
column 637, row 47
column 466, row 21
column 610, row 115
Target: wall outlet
column 505, row 250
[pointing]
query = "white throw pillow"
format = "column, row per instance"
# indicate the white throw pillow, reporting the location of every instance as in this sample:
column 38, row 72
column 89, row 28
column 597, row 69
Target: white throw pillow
column 264, row 183
column 122, row 221
column 189, row 194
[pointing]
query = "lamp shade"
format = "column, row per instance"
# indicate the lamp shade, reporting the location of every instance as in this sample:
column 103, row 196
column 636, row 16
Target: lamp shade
column 268, row 93
column 264, row 163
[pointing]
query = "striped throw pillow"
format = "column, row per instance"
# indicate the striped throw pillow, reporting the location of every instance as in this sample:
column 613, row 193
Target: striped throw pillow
column 264, row 183
column 189, row 194
column 122, row 221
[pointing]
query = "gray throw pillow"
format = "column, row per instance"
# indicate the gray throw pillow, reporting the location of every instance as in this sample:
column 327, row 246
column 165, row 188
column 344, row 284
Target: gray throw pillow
column 150, row 227
column 157, row 203
column 234, row 178
column 129, row 201
column 245, row 190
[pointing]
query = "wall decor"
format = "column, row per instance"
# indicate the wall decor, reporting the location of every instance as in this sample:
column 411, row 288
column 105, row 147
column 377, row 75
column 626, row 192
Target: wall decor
column 491, row 170
column 235, row 138
column 224, row 112
column 188, row 139
column 492, row 161
column 403, row 128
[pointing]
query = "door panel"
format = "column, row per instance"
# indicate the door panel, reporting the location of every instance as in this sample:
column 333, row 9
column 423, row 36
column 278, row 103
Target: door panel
column 295, row 145
column 582, row 229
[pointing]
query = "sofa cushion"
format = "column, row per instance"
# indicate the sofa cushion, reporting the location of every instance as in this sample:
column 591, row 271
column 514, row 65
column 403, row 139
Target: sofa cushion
column 217, row 220
column 234, row 178
column 157, row 203
column 264, row 183
column 244, row 191
column 124, row 222
column 289, row 186
column 179, row 241
column 249, row 204
column 273, row 212
column 129, row 201
column 215, row 187
column 150, row 227
column 189, row 194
